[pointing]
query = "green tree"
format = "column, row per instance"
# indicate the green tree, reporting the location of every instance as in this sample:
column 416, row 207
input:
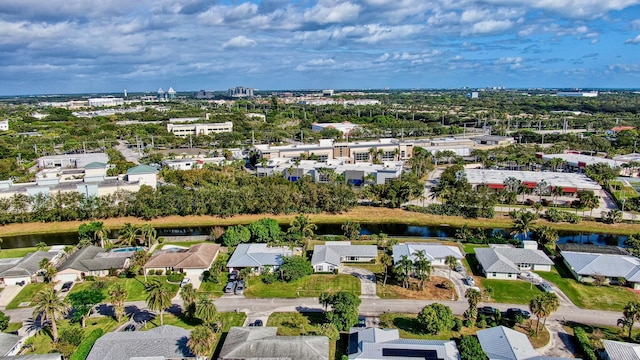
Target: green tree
column 435, row 318
column 630, row 315
column 206, row 310
column 330, row 331
column 344, row 309
column 451, row 262
column 265, row 231
column 128, row 234
column 189, row 295
column 302, row 228
column 48, row 306
column 4, row 321
column 236, row 235
column 351, row 230
column 421, row 267
column 542, row 306
column 402, row 270
column 522, row 222
column 118, row 295
column 201, row 341
column 633, row 244
column 294, row 268
column 386, row 261
column 82, row 303
column 158, row 297
column 470, row 348
column 545, row 235
column 148, row 234
column 473, row 297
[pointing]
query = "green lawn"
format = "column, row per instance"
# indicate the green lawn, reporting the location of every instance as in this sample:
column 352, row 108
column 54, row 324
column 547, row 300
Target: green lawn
column 410, row 328
column 471, row 248
column 42, row 343
column 13, row 326
column 26, row 294
column 589, row 296
column 309, row 286
column 18, row 253
column 511, row 291
column 134, row 286
column 297, row 324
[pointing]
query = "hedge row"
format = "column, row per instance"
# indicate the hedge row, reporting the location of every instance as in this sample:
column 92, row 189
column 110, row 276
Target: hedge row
column 585, row 344
column 85, row 347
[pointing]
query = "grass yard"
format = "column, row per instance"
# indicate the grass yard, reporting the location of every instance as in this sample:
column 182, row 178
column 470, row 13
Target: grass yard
column 19, row 252
column 589, row 296
column 297, row 324
column 433, row 290
column 309, row 286
column 13, row 326
column 134, row 286
column 26, row 294
column 600, row 332
column 42, row 343
column 511, row 291
column 471, row 248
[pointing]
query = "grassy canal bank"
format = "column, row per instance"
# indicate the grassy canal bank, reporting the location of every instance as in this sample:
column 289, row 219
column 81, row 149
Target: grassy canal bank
column 361, row 214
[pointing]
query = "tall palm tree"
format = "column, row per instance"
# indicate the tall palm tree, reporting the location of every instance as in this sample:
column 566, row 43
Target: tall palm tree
column 522, row 222
column 118, row 295
column 49, row 307
column 148, row 234
column 386, row 260
column 189, row 295
column 422, row 267
column 158, row 297
column 100, row 233
column 403, row 269
column 545, row 235
column 631, row 315
column 128, row 234
column 542, row 306
column 301, row 225
column 206, row 310
column 451, row 262
column 201, row 341
column 557, row 191
column 473, row 297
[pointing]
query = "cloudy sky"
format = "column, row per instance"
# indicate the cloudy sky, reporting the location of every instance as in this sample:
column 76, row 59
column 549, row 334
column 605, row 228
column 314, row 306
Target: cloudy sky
column 71, row 46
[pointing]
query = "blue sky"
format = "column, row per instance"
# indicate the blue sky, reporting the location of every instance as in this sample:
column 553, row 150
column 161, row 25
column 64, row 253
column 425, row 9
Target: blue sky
column 74, row 46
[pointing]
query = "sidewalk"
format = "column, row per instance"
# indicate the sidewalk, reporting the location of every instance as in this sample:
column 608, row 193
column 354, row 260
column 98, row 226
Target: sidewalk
column 8, row 294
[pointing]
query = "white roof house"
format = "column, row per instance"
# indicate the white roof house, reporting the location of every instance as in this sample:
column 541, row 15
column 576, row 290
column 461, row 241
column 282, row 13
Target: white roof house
column 329, row 256
column 259, row 255
column 502, row 343
column 374, row 344
column 584, row 265
column 618, row 350
column 507, row 262
column 436, row 253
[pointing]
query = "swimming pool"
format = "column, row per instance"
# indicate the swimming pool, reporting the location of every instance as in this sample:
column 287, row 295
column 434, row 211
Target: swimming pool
column 129, row 249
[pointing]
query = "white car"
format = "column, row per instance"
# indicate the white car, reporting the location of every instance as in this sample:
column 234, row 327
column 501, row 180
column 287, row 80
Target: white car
column 185, row 281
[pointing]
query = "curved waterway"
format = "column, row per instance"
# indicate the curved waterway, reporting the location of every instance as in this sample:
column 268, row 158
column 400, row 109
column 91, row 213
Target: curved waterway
column 11, row 242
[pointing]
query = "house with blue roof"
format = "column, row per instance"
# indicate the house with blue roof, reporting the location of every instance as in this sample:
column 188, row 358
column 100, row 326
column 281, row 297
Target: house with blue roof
column 259, row 257
column 378, row 344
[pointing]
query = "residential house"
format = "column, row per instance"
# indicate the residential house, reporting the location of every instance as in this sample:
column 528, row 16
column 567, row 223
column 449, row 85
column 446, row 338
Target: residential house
column 10, row 344
column 507, row 262
column 92, row 261
column 23, row 270
column 259, row 256
column 330, row 256
column 255, row 343
column 618, row 350
column 374, row 344
column 435, row 252
column 49, row 356
column 585, row 265
column 192, row 261
column 164, row 342
column 502, row 343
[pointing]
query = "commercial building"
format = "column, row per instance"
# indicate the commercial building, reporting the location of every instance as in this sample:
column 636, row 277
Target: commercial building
column 578, row 162
column 577, row 93
column 570, row 182
column 240, row 91
column 326, row 171
column 346, row 127
column 71, row 160
column 184, row 130
column 106, row 101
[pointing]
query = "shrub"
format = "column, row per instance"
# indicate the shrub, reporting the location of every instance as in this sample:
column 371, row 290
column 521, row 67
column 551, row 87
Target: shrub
column 85, row 347
column 269, row 278
column 169, row 272
column 98, row 285
column 175, row 277
column 90, row 278
column 584, row 343
column 4, row 321
column 159, row 272
column 151, row 272
column 457, row 324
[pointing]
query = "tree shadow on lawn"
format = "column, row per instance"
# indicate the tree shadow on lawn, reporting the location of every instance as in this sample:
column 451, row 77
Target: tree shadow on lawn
column 410, row 325
column 474, row 264
column 105, row 310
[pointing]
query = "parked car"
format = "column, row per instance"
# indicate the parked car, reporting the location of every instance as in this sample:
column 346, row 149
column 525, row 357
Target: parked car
column 487, row 310
column 258, row 323
column 459, row 268
column 362, row 322
column 185, row 281
column 239, row 288
column 545, row 287
column 513, row 312
column 66, row 286
column 233, row 276
column 469, row 280
column 129, row 327
column 231, row 285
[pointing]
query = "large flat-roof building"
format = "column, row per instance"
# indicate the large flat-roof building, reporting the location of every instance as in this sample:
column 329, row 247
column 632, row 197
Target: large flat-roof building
column 184, row 130
column 578, row 162
column 344, row 127
column 570, row 182
column 240, row 91
column 107, row 101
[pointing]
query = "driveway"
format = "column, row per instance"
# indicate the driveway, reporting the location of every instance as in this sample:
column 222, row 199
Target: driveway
column 456, row 279
column 561, row 344
column 8, row 293
column 367, row 280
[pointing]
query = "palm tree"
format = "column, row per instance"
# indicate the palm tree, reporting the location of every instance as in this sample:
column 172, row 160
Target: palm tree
column 451, row 262
column 128, row 234
column 49, row 306
column 557, row 191
column 50, row 271
column 100, row 233
column 545, row 235
column 206, row 310
column 541, row 188
column 542, row 306
column 422, row 267
column 148, row 234
column 402, row 270
column 488, row 291
column 201, row 341
column 386, row 260
column 158, row 297
column 118, row 295
column 511, row 185
column 631, row 315
column 189, row 296
column 302, row 226
column 473, row 297
column 522, row 222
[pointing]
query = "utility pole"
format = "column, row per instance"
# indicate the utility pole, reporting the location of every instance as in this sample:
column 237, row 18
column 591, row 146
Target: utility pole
column 253, row 138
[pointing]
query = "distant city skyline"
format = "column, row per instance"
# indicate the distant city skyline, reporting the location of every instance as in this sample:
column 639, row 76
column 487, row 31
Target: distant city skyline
column 89, row 46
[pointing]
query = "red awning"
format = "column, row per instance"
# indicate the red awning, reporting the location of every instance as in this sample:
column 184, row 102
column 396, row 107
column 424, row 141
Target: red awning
column 495, row 186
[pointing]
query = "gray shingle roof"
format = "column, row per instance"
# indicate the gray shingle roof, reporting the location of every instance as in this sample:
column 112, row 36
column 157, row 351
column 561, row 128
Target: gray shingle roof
column 609, row 265
column 256, row 255
column 504, row 260
column 432, row 251
column 7, row 342
column 89, row 259
column 372, row 341
column 164, row 342
column 502, row 343
column 331, row 253
column 618, row 350
column 28, row 265
column 50, row 356
column 262, row 343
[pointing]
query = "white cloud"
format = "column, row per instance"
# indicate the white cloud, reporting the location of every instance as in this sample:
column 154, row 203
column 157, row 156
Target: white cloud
column 488, row 26
column 238, row 42
column 338, row 13
column 579, row 9
column 635, row 40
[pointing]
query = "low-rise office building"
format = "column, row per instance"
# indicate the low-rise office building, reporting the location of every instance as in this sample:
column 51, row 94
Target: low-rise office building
column 344, row 127
column 569, row 182
column 71, row 160
column 184, row 130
